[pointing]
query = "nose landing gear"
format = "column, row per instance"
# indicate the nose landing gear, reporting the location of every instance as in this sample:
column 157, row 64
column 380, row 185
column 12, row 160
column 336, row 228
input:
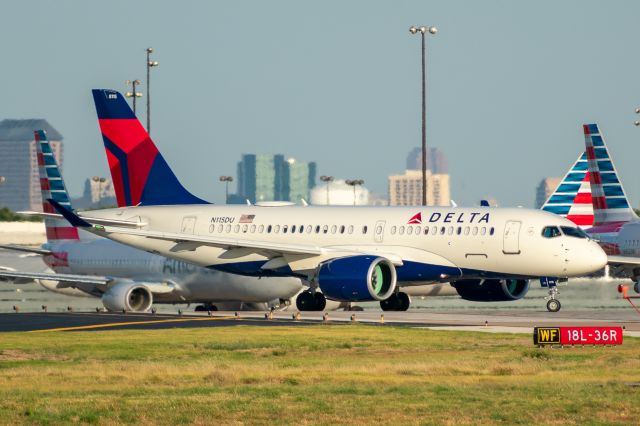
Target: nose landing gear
column 553, row 304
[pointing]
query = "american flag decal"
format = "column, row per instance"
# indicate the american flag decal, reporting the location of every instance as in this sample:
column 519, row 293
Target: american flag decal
column 247, row 218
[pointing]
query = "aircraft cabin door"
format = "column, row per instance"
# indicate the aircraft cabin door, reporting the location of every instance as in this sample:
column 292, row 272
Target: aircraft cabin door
column 378, row 231
column 511, row 237
column 188, row 224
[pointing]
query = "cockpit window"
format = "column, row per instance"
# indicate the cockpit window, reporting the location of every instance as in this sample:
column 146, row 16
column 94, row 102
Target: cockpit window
column 551, row 232
column 573, row 232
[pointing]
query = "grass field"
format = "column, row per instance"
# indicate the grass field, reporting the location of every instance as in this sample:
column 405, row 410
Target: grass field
column 350, row 374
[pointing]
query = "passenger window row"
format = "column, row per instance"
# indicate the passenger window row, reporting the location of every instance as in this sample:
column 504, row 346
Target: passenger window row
column 285, row 229
column 441, row 230
column 350, row 229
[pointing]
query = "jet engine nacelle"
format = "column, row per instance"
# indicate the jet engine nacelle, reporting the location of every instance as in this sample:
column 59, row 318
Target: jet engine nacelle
column 127, row 296
column 357, row 278
column 491, row 290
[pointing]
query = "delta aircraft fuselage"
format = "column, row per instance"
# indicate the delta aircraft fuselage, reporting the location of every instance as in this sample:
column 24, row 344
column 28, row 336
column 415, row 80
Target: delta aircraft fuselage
column 425, row 244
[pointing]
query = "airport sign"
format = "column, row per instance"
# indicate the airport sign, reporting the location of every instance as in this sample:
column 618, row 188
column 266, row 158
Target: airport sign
column 577, row 336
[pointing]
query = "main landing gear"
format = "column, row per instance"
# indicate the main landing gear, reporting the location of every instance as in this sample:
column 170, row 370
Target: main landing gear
column 553, row 304
column 206, row 307
column 396, row 302
column 308, row 301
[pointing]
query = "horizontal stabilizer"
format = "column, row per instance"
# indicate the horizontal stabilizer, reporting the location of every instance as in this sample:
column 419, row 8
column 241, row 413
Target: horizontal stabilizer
column 89, row 220
column 34, row 250
column 84, row 279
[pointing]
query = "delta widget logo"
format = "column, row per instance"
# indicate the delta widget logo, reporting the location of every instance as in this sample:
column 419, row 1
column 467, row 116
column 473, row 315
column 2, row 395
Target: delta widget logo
column 416, row 219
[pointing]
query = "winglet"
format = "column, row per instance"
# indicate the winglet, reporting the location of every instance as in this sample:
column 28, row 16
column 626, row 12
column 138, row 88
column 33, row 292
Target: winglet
column 71, row 217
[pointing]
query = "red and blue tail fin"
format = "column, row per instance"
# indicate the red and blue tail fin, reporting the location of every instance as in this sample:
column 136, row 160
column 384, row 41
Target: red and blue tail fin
column 52, row 187
column 140, row 174
column 610, row 203
column 572, row 197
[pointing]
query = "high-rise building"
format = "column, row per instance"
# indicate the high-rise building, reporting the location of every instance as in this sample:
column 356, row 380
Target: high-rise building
column 20, row 189
column 436, row 160
column 302, row 177
column 545, row 189
column 406, row 189
column 99, row 192
column 338, row 193
column 272, row 178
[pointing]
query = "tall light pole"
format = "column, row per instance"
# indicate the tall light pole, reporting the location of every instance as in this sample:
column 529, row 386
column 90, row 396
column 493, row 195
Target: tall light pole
column 133, row 94
column 226, row 180
column 423, row 30
column 354, row 183
column 637, row 123
column 327, row 180
column 150, row 64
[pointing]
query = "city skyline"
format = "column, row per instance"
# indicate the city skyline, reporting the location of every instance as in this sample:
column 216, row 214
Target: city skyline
column 20, row 188
column 507, row 111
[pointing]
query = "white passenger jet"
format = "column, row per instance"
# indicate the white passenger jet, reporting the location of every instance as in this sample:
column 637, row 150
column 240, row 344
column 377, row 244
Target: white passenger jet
column 341, row 253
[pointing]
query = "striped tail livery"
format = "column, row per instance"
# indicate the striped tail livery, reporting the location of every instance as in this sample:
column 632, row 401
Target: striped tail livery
column 52, row 187
column 140, row 174
column 572, row 197
column 610, row 204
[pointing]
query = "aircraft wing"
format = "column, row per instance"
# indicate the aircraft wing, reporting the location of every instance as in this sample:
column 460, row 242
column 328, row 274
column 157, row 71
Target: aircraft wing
column 34, row 250
column 84, row 279
column 190, row 242
column 290, row 252
column 623, row 265
column 623, row 261
column 86, row 221
column 99, row 281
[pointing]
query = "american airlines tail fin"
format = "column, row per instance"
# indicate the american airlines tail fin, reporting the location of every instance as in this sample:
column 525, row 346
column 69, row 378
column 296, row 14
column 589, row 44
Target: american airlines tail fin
column 52, row 187
column 140, row 174
column 572, row 197
column 610, row 203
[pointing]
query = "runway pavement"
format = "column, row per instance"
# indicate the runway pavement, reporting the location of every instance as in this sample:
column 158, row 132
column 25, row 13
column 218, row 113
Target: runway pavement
column 86, row 321
column 489, row 321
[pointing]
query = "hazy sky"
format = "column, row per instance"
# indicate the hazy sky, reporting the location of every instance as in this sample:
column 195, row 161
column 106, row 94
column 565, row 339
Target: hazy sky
column 508, row 84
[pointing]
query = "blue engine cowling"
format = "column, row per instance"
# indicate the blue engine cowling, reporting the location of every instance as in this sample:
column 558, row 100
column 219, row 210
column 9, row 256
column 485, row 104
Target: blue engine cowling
column 357, row 278
column 491, row 290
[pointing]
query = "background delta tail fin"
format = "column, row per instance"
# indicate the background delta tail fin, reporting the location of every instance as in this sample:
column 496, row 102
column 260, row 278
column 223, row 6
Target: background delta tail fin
column 572, row 197
column 52, row 187
column 610, row 203
column 140, row 174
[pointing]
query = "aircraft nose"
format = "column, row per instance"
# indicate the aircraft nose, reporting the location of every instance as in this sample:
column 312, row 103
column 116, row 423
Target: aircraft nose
column 598, row 255
column 592, row 259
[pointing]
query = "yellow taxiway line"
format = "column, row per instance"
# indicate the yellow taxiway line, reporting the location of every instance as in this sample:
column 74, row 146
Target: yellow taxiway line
column 118, row 324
